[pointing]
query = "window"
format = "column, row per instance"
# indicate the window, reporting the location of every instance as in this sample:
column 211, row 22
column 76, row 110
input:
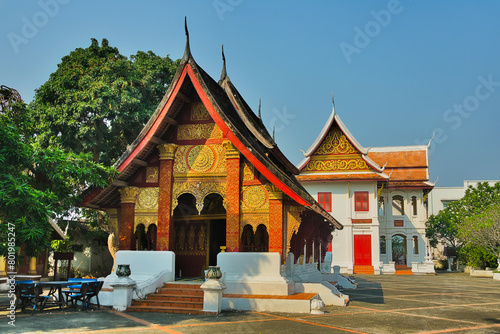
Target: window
column 414, row 205
column 381, row 206
column 325, row 200
column 382, row 245
column 398, row 208
column 415, row 245
column 446, row 203
column 361, row 201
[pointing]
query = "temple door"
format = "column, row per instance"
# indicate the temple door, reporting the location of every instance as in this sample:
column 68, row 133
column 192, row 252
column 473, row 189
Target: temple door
column 191, row 247
column 399, row 250
column 362, row 250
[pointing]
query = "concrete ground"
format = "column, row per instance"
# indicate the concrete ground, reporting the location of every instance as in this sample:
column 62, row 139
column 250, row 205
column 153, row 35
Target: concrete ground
column 445, row 303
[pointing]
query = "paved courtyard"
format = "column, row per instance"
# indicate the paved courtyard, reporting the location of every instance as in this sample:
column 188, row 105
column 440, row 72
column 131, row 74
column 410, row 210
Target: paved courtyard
column 445, row 303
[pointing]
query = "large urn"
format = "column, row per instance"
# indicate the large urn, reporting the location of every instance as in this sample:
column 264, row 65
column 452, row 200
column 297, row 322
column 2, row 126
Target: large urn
column 214, row 272
column 123, row 270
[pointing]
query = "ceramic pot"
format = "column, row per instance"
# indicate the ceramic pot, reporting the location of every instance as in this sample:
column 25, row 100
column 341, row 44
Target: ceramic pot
column 123, row 270
column 214, row 272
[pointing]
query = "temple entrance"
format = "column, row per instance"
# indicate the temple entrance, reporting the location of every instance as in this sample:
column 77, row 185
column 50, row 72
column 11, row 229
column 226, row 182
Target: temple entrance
column 399, row 249
column 198, row 236
column 362, row 250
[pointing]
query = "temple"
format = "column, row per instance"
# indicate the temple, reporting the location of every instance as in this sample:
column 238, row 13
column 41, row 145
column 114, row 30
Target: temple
column 379, row 194
column 205, row 176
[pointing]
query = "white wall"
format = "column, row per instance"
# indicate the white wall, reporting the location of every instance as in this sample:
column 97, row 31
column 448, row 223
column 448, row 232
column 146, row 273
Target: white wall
column 343, row 209
column 440, row 195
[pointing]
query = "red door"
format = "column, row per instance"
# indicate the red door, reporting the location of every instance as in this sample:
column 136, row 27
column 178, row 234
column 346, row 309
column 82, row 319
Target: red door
column 362, row 250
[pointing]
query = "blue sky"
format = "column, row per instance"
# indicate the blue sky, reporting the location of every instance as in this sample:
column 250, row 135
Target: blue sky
column 399, row 70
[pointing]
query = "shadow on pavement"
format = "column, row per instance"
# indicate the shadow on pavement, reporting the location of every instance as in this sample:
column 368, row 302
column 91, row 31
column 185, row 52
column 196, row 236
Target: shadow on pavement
column 367, row 291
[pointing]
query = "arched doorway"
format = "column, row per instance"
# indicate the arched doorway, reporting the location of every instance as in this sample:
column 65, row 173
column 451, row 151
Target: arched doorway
column 145, row 240
column 399, row 249
column 255, row 242
column 198, row 236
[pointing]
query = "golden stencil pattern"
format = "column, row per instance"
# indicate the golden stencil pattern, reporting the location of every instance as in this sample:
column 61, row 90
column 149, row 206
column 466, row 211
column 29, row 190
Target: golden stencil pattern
column 336, row 142
column 182, row 156
column 254, row 220
column 201, row 237
column 198, row 131
column 201, row 158
column 275, row 227
column 199, row 191
column 293, row 223
column 152, row 174
column 255, row 197
column 248, row 172
column 333, row 165
column 199, row 112
column 180, row 161
column 148, row 198
column 233, row 198
column 145, row 220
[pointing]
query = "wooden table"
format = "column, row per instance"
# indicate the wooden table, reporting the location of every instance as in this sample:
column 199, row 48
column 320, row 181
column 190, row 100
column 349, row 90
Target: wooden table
column 56, row 286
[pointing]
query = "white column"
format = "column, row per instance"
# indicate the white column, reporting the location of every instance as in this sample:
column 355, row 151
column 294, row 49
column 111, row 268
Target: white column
column 123, row 290
column 409, row 250
column 212, row 298
column 388, row 241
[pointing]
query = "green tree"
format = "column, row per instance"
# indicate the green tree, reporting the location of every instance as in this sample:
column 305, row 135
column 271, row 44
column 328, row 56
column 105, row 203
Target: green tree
column 444, row 227
column 98, row 100
column 483, row 231
column 36, row 184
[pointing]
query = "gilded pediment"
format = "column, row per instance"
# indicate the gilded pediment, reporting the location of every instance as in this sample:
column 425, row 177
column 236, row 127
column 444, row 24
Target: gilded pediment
column 336, row 154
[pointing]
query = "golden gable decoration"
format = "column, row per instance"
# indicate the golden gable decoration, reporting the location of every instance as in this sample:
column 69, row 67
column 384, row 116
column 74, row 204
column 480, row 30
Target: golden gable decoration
column 336, row 165
column 336, row 142
column 199, row 112
column 198, row 131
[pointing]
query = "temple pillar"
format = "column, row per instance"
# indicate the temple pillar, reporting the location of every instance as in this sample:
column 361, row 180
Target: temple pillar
column 276, row 221
column 3, row 263
column 32, row 266
column 127, row 217
column 164, row 234
column 232, row 197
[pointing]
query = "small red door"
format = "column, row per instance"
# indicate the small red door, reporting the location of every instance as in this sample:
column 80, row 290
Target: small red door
column 362, row 250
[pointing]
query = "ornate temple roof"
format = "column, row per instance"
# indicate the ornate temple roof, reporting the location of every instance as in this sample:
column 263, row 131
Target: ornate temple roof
column 232, row 115
column 336, row 155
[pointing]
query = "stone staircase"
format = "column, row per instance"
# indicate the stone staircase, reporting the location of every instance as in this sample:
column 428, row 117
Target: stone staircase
column 403, row 270
column 172, row 298
column 363, row 270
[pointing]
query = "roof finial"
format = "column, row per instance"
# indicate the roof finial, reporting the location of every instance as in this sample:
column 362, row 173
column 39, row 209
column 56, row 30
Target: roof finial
column 187, row 50
column 430, row 141
column 274, row 130
column 223, row 75
column 260, row 115
column 333, row 104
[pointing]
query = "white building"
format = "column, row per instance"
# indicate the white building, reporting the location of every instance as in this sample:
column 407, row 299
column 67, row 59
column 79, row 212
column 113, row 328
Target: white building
column 379, row 194
column 440, row 197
